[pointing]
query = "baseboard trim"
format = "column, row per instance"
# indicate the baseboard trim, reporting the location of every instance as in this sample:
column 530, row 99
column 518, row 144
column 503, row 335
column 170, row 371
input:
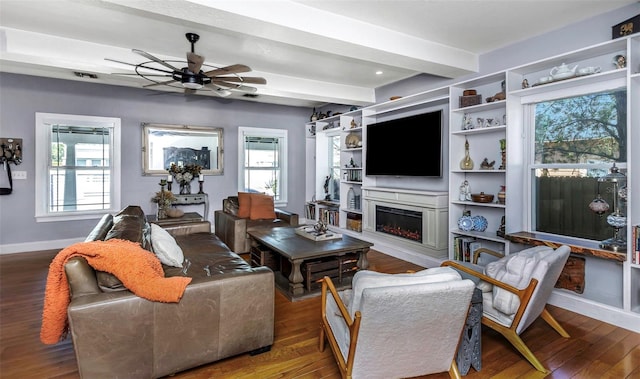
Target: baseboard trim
column 399, row 252
column 37, row 245
column 605, row 313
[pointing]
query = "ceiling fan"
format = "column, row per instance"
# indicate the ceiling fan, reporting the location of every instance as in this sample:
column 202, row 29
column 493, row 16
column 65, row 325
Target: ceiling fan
column 221, row 80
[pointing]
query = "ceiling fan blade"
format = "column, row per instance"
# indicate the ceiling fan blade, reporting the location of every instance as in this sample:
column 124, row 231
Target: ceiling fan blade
column 141, row 66
column 194, row 62
column 233, row 69
column 245, row 89
column 220, row 91
column 234, row 86
column 121, row 62
column 242, row 79
column 159, row 83
column 157, row 60
column 136, row 74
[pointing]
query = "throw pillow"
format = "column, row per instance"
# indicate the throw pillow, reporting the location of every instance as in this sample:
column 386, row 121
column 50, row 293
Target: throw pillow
column 244, row 204
column 262, row 207
column 165, row 247
column 371, row 279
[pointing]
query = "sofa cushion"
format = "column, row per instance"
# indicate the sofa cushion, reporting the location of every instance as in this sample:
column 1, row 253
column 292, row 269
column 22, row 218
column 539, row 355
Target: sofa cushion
column 165, row 247
column 101, row 229
column 109, row 282
column 371, row 279
column 130, row 224
column 517, row 271
column 262, row 207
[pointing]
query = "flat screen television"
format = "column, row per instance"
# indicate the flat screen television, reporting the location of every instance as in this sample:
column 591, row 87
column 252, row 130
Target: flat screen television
column 408, row 146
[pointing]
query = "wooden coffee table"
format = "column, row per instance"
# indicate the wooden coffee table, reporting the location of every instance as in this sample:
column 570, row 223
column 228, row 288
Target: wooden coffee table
column 296, row 249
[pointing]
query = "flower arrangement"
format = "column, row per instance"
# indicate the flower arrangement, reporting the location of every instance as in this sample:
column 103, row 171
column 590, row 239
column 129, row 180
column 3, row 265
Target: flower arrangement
column 163, row 198
column 184, row 174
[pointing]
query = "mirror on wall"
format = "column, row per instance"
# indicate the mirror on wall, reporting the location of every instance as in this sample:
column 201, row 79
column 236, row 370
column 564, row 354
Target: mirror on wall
column 182, row 145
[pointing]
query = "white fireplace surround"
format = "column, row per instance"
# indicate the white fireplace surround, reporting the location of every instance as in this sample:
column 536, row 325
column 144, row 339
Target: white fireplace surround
column 432, row 205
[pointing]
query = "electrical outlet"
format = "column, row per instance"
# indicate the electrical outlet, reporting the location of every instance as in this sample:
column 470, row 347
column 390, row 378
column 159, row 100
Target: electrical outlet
column 19, row 175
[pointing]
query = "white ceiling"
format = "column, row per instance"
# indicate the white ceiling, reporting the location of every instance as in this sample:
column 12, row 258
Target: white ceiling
column 311, row 52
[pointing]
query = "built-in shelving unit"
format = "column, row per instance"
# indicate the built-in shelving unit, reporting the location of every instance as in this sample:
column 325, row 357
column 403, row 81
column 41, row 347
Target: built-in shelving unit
column 482, row 126
column 612, row 280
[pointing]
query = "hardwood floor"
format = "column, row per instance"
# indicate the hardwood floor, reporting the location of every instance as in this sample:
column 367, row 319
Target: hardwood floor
column 595, row 349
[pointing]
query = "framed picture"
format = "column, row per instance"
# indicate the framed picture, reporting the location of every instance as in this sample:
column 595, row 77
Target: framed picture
column 181, row 144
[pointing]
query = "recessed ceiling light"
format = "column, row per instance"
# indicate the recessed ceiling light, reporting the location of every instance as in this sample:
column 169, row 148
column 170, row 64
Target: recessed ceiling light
column 378, row 72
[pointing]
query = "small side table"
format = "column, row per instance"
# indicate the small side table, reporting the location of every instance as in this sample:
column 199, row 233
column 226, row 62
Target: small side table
column 470, row 350
column 196, row 198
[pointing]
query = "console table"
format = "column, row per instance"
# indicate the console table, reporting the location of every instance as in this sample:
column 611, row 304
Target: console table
column 198, row 198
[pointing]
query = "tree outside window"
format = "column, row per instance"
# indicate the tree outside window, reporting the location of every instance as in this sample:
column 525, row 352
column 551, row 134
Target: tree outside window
column 577, row 140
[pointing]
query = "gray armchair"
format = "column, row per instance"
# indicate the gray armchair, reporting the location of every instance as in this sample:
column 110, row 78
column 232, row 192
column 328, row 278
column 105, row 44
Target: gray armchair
column 232, row 230
column 515, row 292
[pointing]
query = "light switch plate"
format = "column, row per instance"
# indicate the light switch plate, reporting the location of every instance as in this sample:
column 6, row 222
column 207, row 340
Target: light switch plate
column 19, row 175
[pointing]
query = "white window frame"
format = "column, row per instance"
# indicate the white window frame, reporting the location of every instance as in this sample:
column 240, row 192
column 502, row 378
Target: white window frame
column 44, row 122
column 528, row 111
column 282, row 135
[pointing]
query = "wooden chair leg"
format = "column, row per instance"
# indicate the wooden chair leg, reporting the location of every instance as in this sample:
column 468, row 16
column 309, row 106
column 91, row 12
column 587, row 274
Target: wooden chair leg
column 546, row 316
column 519, row 344
column 321, row 342
column 454, row 373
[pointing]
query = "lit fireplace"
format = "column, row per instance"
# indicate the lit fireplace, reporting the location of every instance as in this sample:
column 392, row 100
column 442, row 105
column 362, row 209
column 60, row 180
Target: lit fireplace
column 399, row 222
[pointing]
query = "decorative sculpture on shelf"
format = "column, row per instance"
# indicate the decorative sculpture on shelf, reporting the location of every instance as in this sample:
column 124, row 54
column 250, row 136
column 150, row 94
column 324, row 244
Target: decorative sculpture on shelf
column 503, row 154
column 486, row 165
column 465, row 192
column 466, row 163
column 327, row 181
column 467, row 122
column 617, row 219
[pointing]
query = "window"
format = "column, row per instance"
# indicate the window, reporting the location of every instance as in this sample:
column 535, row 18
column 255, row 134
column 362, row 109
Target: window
column 262, row 162
column 77, row 166
column 576, row 140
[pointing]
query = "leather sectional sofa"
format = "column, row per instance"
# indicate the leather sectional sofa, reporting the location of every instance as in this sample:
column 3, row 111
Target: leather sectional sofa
column 227, row 309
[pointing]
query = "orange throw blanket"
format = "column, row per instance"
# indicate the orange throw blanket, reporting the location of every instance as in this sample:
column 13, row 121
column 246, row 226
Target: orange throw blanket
column 138, row 269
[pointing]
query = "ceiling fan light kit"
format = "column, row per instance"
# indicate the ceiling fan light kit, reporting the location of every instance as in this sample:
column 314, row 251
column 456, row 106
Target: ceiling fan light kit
column 221, row 80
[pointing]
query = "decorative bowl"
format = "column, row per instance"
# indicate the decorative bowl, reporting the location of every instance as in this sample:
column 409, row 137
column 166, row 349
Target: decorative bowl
column 174, row 212
column 465, row 223
column 481, row 197
column 480, row 223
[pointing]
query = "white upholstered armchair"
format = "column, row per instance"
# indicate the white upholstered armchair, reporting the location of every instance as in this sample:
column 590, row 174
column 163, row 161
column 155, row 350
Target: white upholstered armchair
column 515, row 291
column 396, row 325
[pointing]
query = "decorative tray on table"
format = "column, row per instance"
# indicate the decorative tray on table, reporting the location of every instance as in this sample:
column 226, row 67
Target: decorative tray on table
column 308, row 231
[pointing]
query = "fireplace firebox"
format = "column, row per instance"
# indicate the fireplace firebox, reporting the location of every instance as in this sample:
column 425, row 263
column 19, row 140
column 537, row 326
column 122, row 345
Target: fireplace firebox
column 399, row 222
column 407, row 219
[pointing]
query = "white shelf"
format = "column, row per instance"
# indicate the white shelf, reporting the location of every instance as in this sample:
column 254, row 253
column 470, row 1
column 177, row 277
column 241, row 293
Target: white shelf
column 478, row 171
column 488, row 129
column 488, row 236
column 474, row 204
column 480, row 107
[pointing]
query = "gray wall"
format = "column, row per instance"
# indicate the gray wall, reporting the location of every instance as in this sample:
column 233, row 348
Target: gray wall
column 22, row 96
